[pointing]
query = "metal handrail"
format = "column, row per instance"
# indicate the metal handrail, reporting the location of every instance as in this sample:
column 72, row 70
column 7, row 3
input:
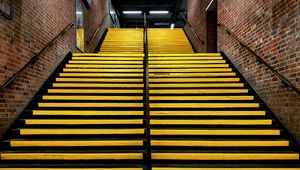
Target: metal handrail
column 146, row 97
column 192, row 29
column 97, row 30
column 35, row 57
column 284, row 80
column 8, row 16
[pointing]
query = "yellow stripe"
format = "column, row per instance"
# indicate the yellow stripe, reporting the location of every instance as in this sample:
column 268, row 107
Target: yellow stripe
column 86, row 113
column 109, row 80
column 187, row 65
column 79, row 131
column 226, row 156
column 69, row 156
column 101, row 70
column 207, row 113
column 92, row 97
column 90, row 104
column 194, row 80
column 101, row 75
column 191, row 70
column 190, row 74
column 108, row 58
column 185, row 168
column 197, row 85
column 97, row 85
column 216, row 143
column 198, row 91
column 71, row 168
column 201, row 97
column 101, row 66
column 107, row 55
column 204, row 105
column 211, row 122
column 93, row 91
column 75, row 143
column 187, row 62
column 214, row 132
column 185, row 58
column 81, row 121
column 104, row 62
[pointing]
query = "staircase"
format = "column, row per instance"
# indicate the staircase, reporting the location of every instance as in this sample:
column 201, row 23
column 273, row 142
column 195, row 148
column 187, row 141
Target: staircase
column 90, row 114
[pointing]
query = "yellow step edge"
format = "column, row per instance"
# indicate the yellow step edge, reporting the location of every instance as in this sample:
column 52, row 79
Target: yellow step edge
column 188, row 65
column 167, row 85
column 204, row 105
column 102, row 66
column 201, row 97
column 101, row 75
column 185, row 58
column 104, row 62
column 90, row 104
column 93, row 91
column 193, row 80
column 208, row 113
column 211, row 122
column 74, row 143
column 86, row 113
column 197, row 91
column 215, row 132
column 175, row 62
column 102, row 70
column 81, row 121
column 187, row 55
column 185, row 168
column 107, row 58
column 191, row 70
column 71, row 168
column 230, row 74
column 97, row 85
column 54, row 97
column 70, row 156
column 225, row 156
column 106, row 55
column 48, row 131
column 108, row 80
column 217, row 143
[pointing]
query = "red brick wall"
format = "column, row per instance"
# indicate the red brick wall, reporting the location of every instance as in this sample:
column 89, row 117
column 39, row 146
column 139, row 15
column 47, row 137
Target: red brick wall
column 92, row 19
column 272, row 29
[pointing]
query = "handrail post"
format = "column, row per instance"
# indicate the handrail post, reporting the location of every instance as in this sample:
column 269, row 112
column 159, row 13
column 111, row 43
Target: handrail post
column 146, row 98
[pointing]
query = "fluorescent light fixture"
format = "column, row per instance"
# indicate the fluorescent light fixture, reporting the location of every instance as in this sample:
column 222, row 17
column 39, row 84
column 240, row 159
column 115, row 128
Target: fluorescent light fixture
column 162, row 23
column 172, row 26
column 132, row 12
column 78, row 12
column 159, row 12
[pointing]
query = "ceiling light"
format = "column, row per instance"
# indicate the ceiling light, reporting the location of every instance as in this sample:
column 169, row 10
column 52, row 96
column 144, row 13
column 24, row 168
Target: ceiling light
column 159, row 12
column 78, row 12
column 132, row 12
column 172, row 26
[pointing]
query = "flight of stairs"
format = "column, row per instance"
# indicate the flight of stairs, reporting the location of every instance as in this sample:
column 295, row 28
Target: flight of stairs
column 90, row 114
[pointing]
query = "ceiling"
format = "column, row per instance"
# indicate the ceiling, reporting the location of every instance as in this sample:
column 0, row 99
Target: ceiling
column 154, row 20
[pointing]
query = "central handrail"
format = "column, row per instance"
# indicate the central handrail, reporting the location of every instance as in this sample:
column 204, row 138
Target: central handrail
column 35, row 57
column 192, row 29
column 284, row 80
column 146, row 97
column 97, row 30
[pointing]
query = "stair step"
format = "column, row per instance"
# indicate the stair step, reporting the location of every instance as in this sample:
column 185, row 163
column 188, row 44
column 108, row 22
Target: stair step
column 185, row 58
column 191, row 70
column 52, row 97
column 132, row 58
column 123, row 85
column 105, row 62
column 196, row 91
column 192, row 74
column 208, row 113
column 70, row 156
column 100, row 70
column 215, row 132
column 193, row 85
column 83, row 105
column 101, row 74
column 187, row 62
column 231, row 168
column 103, row 66
column 74, row 143
column 211, row 122
column 59, row 131
column 91, row 91
column 108, row 80
column 192, row 80
column 82, row 121
column 204, row 105
column 188, row 65
column 186, row 55
column 86, row 113
column 225, row 156
column 55, row 168
column 220, row 143
column 201, row 98
column 106, row 55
